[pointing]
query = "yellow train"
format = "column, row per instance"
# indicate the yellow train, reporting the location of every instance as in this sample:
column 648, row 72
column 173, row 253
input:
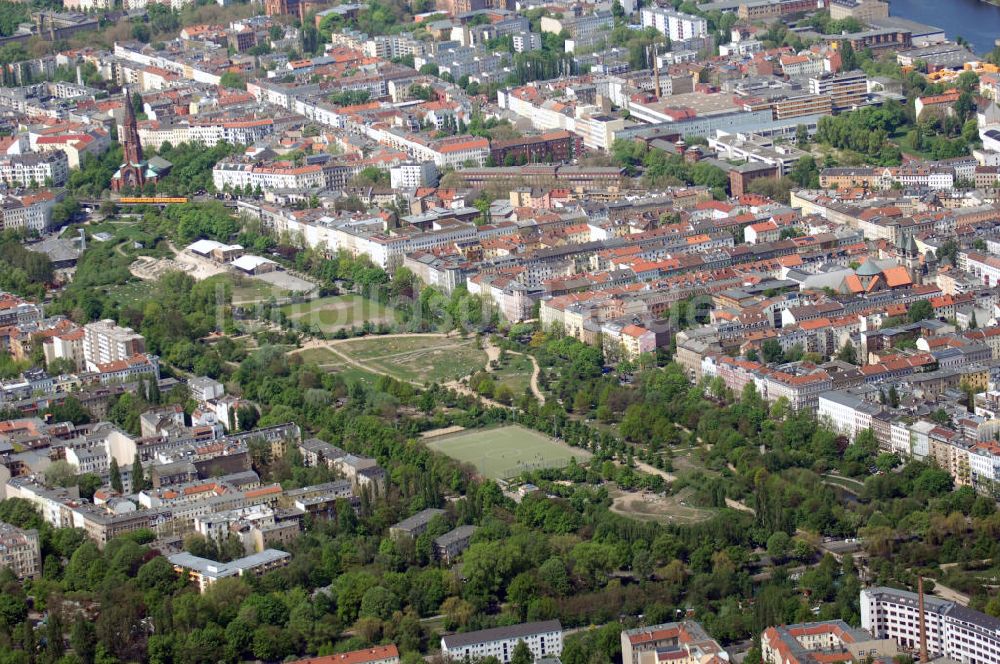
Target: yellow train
column 151, row 201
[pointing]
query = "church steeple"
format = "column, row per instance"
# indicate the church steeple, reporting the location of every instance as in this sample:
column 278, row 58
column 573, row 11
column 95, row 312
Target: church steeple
column 132, row 173
column 130, row 138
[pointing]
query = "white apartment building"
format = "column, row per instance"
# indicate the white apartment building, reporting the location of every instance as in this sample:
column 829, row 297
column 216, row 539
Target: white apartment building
column 455, row 151
column 388, row 47
column 32, row 212
column 984, row 465
column 234, row 174
column 87, row 5
column 587, row 121
column 952, row 630
column 527, row 41
column 89, row 459
column 848, row 414
column 105, row 342
column 542, row 638
column 981, row 266
column 20, row 551
column 413, row 174
column 756, row 149
column 49, row 169
column 66, row 345
column 920, row 438
column 203, row 388
column 677, row 26
column 238, row 132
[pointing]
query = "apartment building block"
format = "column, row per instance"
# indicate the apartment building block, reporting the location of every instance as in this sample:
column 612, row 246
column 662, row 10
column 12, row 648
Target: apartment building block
column 952, row 630
column 684, row 642
column 542, row 638
column 20, row 551
column 105, row 342
column 677, row 26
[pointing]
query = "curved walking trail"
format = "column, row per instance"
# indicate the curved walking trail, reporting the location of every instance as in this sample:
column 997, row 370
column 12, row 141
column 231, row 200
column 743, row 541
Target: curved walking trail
column 332, row 344
column 492, row 354
column 535, row 371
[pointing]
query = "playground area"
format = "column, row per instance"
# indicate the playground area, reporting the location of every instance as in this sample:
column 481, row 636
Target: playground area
column 649, row 506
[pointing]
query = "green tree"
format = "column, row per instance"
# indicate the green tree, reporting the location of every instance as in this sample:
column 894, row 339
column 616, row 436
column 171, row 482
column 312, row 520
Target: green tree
column 379, row 602
column 71, row 410
column 247, row 416
column 777, row 545
column 772, row 351
column 233, row 81
column 805, row 173
column 802, row 135
column 55, row 646
column 920, row 310
column 83, row 640
column 138, row 478
column 848, row 353
column 116, row 476
column 521, row 654
column 848, row 58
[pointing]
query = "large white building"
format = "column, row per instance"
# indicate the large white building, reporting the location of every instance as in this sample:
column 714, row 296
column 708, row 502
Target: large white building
column 677, row 26
column 152, row 134
column 268, row 178
column 846, row 413
column 105, row 342
column 413, row 174
column 953, row 630
column 204, row 572
column 542, row 638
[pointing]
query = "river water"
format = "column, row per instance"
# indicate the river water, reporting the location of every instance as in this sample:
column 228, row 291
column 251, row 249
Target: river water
column 977, row 21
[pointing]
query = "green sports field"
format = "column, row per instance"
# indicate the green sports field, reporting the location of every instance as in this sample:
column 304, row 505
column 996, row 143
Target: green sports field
column 506, row 452
column 330, row 314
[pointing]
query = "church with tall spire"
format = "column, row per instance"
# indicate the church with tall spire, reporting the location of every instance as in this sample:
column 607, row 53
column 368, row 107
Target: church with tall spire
column 135, row 172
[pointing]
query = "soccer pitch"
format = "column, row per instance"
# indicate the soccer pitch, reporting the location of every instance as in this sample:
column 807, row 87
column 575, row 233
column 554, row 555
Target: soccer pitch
column 506, row 452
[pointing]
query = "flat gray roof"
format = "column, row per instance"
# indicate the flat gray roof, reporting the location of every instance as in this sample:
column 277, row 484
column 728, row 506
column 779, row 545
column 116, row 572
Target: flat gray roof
column 500, row 633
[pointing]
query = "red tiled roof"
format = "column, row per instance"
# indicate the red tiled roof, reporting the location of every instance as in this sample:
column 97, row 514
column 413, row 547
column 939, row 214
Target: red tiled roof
column 354, row 657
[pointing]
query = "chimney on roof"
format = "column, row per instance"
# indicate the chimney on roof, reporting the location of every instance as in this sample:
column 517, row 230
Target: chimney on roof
column 923, row 623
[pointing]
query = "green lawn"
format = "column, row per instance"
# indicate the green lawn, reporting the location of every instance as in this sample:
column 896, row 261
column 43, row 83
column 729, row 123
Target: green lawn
column 330, row 361
column 319, row 356
column 416, row 358
column 506, row 452
column 253, row 290
column 354, row 375
column 515, row 374
column 330, row 314
column 131, row 293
